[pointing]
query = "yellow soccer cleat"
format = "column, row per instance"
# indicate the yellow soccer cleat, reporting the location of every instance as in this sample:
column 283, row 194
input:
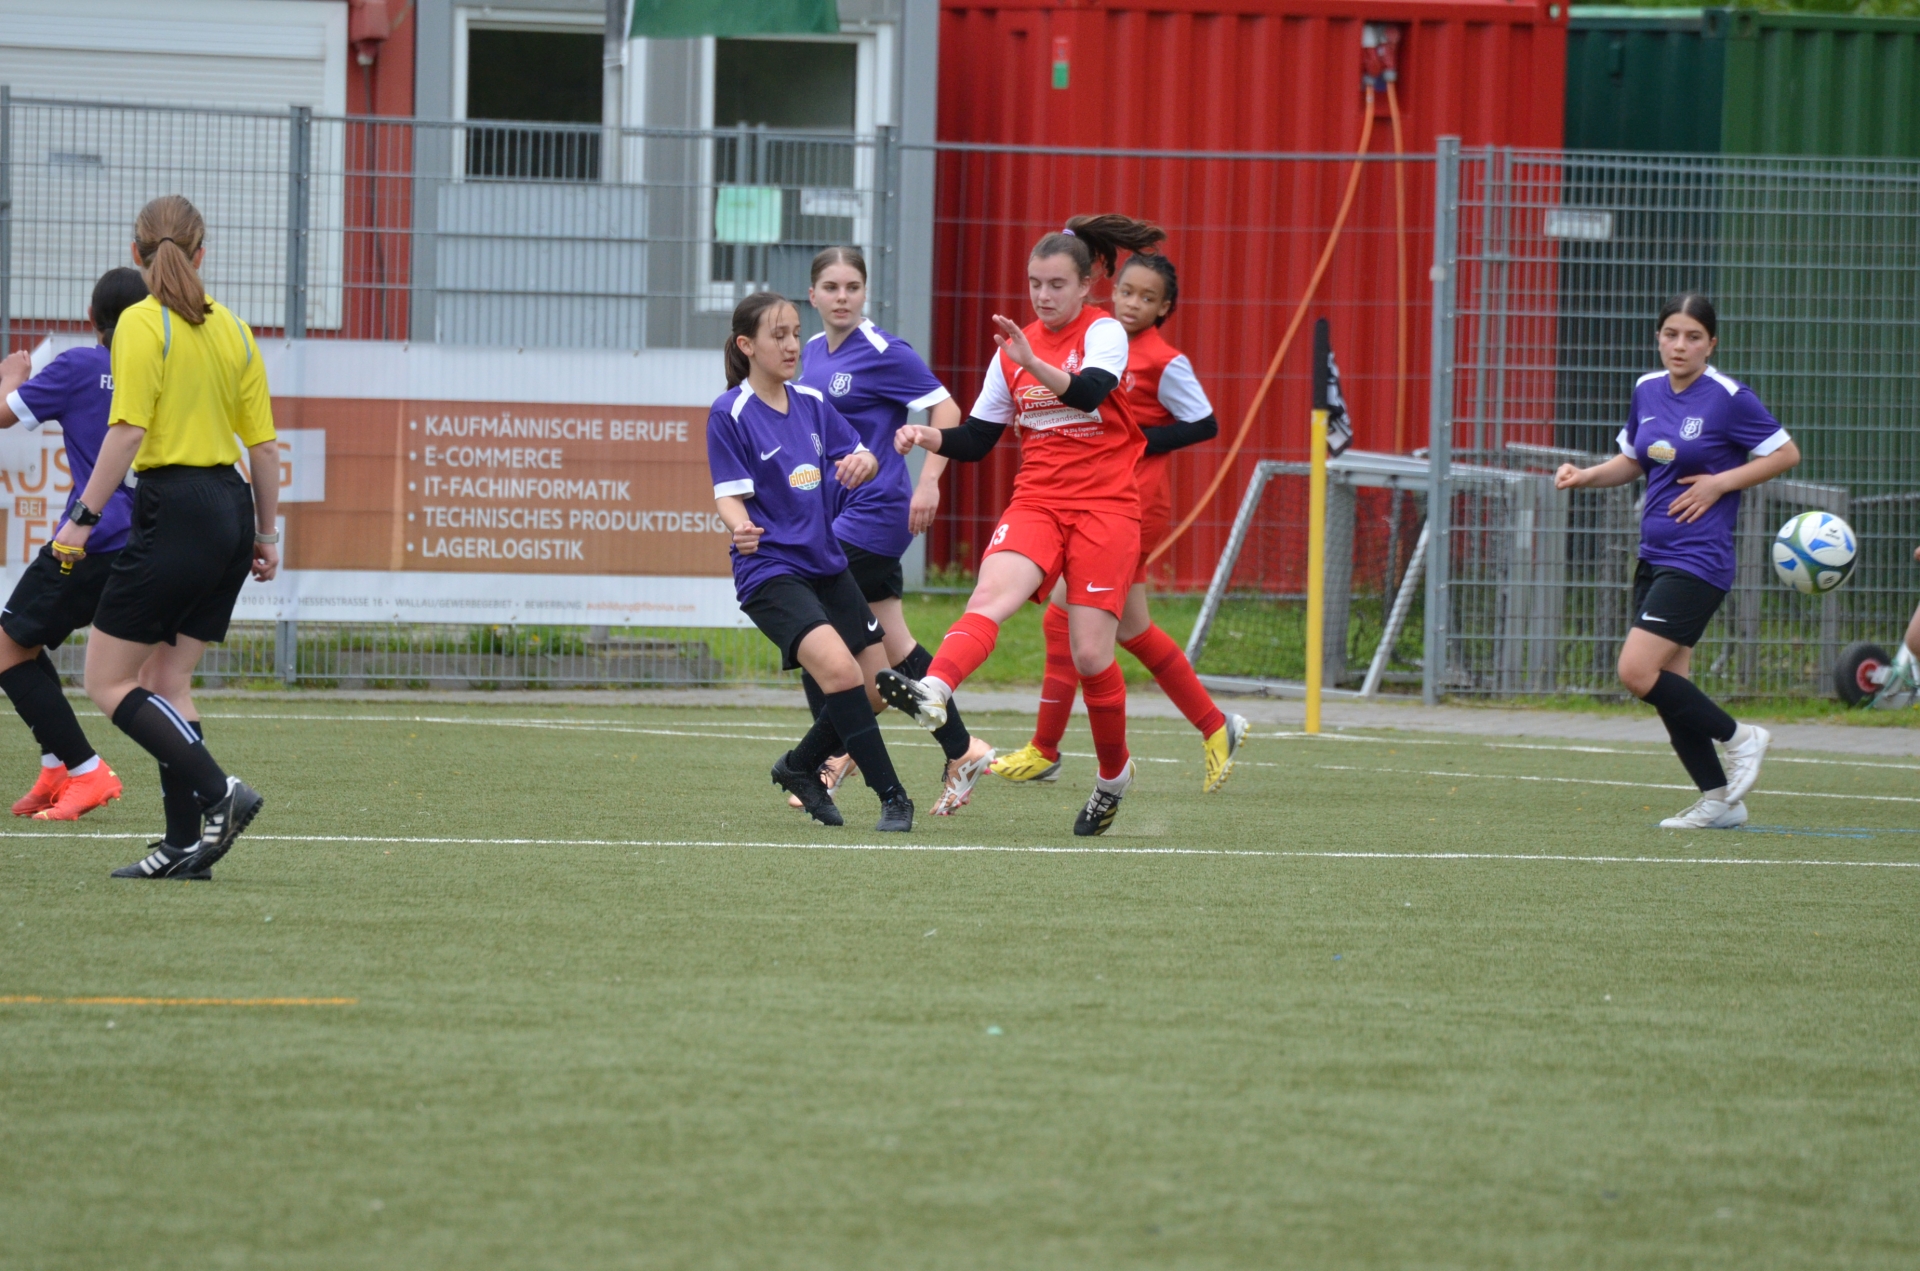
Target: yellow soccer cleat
column 1026, row 764
column 1221, row 748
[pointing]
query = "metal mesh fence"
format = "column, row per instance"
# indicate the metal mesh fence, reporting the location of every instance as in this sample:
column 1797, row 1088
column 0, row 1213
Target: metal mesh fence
column 469, row 232
column 1563, row 261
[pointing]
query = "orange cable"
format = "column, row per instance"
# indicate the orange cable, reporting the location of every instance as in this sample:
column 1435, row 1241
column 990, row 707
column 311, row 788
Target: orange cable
column 1286, row 341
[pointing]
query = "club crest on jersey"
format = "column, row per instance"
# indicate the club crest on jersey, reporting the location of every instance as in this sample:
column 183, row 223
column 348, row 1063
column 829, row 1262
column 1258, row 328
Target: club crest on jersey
column 1128, row 383
column 804, row 477
column 1691, row 426
column 818, row 449
column 1072, row 363
column 840, row 383
column 1662, row 452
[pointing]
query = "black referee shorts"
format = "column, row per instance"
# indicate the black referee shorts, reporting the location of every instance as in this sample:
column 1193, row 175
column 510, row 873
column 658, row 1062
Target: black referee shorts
column 47, row 606
column 787, row 606
column 879, row 577
column 1673, row 604
column 190, row 552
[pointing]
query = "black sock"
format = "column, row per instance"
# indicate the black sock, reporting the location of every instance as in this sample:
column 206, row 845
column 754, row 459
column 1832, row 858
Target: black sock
column 816, row 697
column 852, row 716
column 181, row 803
column 45, row 709
column 821, row 743
column 1679, row 699
column 166, row 735
column 1697, row 754
column 45, row 663
column 952, row 735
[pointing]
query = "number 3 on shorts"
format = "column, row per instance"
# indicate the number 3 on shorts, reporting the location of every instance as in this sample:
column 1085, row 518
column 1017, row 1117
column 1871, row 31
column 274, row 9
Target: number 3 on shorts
column 999, row 536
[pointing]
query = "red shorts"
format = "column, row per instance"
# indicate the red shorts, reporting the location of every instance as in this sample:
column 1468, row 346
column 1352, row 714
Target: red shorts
column 1156, row 517
column 1092, row 549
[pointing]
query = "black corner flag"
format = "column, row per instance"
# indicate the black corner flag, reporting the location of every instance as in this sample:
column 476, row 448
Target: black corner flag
column 1326, row 390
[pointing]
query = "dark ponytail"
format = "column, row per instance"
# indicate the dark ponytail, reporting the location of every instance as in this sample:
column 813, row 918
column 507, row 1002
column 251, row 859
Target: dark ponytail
column 747, row 317
column 1169, row 279
column 1101, row 238
column 117, row 291
column 1695, row 306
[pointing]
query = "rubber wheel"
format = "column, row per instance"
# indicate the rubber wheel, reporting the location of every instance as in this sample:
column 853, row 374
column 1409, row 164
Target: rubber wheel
column 1850, row 674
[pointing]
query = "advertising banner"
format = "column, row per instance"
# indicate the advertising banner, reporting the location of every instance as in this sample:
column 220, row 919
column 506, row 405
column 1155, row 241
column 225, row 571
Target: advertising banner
column 427, row 483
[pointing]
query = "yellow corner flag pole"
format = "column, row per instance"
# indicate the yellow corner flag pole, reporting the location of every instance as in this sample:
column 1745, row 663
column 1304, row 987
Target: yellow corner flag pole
column 1316, row 564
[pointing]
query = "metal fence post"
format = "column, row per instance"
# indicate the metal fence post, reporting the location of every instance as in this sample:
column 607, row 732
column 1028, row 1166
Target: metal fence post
column 299, row 213
column 286, row 652
column 887, row 217
column 1446, row 256
column 6, row 219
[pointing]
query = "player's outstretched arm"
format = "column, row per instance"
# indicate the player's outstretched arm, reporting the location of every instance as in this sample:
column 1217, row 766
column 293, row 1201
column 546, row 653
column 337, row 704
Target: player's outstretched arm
column 1617, row 471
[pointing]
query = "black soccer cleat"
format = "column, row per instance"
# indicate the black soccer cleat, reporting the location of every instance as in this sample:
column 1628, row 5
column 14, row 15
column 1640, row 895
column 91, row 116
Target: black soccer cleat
column 221, row 825
column 1103, row 805
column 812, row 792
column 896, row 814
column 911, row 698
column 164, row 861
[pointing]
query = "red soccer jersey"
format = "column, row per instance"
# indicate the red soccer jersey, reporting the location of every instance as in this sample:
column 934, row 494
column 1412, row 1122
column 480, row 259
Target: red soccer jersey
column 1160, row 388
column 1069, row 458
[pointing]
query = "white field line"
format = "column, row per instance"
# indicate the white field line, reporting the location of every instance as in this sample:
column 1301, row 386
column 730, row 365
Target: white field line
column 1595, row 781
column 1656, row 751
column 903, row 846
column 564, row 726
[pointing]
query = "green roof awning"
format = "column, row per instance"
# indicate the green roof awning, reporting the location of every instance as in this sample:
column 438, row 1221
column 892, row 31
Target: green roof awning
column 686, row 19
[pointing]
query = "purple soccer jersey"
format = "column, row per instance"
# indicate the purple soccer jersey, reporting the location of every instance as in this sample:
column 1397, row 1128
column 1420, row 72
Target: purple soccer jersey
column 873, row 379
column 76, row 389
column 1712, row 427
column 781, row 465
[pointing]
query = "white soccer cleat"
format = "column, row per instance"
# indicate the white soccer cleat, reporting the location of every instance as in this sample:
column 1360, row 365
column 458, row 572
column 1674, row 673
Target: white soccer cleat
column 1743, row 762
column 961, row 776
column 1709, row 814
column 1902, row 685
column 913, row 698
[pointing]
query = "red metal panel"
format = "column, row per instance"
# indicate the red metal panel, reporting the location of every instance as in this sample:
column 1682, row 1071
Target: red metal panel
column 1199, row 76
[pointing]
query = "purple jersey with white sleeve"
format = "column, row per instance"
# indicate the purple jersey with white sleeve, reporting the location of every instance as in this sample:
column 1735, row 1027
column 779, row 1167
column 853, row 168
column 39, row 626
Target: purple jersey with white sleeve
column 873, row 379
column 780, row 465
column 76, row 390
column 1712, row 427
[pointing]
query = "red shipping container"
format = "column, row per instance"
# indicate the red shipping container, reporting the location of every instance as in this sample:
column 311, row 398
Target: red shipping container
column 1205, row 77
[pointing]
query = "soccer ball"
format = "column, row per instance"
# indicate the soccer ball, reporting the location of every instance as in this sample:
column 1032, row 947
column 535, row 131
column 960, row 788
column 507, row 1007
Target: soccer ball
column 1814, row 552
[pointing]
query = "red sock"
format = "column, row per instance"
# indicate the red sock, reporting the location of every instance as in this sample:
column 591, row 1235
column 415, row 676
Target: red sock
column 969, row 642
column 1174, row 674
column 1106, row 695
column 1057, row 690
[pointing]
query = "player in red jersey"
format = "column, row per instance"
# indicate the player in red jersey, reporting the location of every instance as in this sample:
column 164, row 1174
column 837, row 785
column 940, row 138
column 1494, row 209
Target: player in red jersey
column 1173, row 411
column 1075, row 513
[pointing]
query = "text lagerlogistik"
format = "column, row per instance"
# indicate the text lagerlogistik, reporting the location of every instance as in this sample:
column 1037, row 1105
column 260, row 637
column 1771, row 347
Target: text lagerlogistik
column 555, row 428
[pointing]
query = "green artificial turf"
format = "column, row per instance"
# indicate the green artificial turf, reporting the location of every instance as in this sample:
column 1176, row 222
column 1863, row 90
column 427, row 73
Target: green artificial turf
column 711, row 1037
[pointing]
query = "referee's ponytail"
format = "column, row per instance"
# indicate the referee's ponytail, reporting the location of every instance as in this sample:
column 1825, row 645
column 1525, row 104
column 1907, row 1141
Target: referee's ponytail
column 167, row 234
column 116, row 292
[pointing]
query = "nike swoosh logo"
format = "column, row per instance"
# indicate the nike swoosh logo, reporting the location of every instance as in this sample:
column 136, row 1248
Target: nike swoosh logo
column 874, row 625
column 1647, row 617
column 1091, row 587
column 1646, row 419
column 768, row 454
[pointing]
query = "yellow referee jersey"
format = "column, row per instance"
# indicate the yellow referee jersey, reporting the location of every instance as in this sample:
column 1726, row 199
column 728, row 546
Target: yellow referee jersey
column 193, row 388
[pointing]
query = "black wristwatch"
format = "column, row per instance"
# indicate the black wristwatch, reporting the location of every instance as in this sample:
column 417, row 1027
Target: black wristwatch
column 81, row 514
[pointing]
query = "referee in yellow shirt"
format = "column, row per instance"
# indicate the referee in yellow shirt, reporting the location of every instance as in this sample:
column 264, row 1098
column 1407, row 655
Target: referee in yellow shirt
column 187, row 380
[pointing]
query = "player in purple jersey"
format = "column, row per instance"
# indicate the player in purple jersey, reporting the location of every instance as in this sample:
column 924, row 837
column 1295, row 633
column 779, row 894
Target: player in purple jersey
column 1700, row 438
column 57, row 595
column 875, row 378
column 766, row 443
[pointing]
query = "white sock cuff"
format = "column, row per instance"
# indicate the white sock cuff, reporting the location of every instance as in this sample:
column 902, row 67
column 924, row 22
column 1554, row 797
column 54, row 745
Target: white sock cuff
column 940, row 687
column 84, row 768
column 50, row 761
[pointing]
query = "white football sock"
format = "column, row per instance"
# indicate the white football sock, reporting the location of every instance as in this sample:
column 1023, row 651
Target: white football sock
column 84, row 768
column 51, row 761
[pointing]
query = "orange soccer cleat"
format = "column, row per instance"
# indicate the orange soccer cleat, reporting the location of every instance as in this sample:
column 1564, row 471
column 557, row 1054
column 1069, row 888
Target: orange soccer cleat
column 46, row 789
column 83, row 794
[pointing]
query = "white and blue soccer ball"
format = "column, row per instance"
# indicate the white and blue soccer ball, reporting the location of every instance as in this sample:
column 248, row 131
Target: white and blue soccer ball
column 1814, row 552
